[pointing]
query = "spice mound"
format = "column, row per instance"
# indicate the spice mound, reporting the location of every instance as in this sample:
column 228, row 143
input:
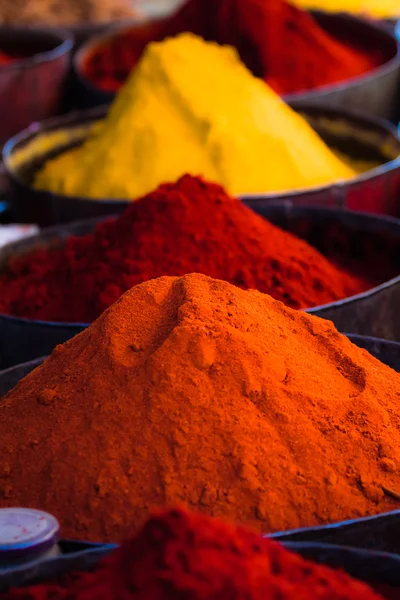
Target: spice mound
column 178, row 554
column 182, row 227
column 59, row 12
column 192, row 106
column 192, row 390
column 276, row 40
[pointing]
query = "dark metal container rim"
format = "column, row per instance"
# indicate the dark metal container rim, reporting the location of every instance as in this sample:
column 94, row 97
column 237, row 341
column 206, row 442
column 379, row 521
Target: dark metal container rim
column 339, row 548
column 285, row 206
column 382, row 69
column 65, row 45
column 354, row 337
column 98, row 112
column 331, row 526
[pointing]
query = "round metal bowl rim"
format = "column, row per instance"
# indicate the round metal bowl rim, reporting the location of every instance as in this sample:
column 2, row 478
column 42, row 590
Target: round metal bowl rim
column 329, row 526
column 66, row 44
column 300, row 95
column 310, row 310
column 34, row 361
column 337, row 547
column 372, row 339
column 101, row 111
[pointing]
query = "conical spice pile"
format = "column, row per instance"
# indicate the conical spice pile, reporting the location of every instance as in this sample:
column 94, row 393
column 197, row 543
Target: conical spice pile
column 191, row 390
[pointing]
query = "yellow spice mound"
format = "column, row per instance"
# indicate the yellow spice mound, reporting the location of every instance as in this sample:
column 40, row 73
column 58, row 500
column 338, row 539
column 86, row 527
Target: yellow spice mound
column 193, row 107
column 383, row 9
column 191, row 390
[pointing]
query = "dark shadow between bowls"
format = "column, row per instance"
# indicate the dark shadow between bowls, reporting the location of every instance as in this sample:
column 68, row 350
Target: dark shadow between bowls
column 348, row 237
column 359, row 137
column 376, row 91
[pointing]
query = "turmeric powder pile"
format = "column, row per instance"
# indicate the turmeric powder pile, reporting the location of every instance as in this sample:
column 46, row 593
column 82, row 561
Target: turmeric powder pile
column 382, row 9
column 190, row 390
column 193, row 107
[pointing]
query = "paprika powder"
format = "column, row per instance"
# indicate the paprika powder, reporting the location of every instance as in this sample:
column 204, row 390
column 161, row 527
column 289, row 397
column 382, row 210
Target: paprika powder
column 178, row 554
column 181, row 227
column 190, row 390
column 192, row 106
column 277, row 41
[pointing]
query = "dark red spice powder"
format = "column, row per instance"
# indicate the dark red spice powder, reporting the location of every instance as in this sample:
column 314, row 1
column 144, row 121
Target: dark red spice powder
column 184, row 227
column 189, row 226
column 182, row 556
column 277, row 41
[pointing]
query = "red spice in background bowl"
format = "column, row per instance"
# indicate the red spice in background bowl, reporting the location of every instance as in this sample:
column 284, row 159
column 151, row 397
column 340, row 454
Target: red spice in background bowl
column 279, row 42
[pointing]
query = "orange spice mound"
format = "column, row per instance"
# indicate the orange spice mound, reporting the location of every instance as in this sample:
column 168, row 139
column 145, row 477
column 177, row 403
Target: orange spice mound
column 191, row 390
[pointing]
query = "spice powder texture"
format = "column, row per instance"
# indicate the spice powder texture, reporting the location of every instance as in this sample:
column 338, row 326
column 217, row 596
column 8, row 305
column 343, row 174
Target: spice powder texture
column 191, row 390
column 190, row 225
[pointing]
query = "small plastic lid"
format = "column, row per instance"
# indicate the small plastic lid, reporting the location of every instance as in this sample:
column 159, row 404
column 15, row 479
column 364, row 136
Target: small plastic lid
column 25, row 532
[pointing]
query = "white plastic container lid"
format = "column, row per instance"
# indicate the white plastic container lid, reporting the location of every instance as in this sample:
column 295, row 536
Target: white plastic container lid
column 26, row 534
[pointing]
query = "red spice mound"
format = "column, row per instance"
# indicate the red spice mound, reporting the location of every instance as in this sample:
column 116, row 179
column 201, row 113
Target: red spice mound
column 277, row 41
column 184, row 227
column 179, row 555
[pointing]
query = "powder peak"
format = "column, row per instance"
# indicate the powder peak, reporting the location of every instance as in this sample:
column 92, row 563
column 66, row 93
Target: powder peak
column 187, row 380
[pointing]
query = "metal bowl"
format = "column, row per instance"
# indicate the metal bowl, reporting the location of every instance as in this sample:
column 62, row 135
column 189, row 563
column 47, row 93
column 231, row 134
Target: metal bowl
column 376, row 91
column 373, row 313
column 32, row 89
column 353, row 134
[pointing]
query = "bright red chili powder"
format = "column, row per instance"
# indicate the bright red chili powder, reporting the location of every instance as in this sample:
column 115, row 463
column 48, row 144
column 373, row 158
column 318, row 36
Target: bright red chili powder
column 184, row 227
column 277, row 41
column 182, row 556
